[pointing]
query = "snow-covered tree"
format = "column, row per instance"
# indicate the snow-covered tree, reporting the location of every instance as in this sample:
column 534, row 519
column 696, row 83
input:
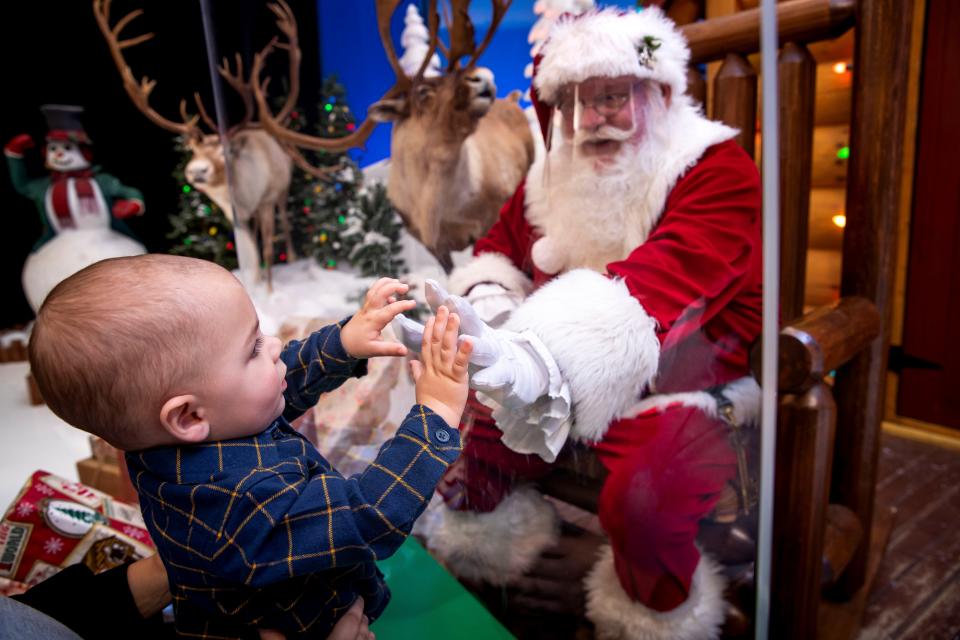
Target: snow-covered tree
column 415, row 41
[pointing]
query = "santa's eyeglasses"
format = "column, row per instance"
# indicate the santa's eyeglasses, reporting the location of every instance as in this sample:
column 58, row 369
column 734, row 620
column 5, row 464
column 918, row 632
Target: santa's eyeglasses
column 605, row 103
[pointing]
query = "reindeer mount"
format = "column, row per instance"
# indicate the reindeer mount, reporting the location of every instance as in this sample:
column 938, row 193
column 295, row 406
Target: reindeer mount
column 248, row 173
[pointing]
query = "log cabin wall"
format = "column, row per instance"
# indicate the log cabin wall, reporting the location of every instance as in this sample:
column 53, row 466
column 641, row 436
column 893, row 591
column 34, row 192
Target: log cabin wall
column 813, row 250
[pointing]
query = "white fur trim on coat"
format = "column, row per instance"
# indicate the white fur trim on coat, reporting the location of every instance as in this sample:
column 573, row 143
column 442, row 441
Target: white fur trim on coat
column 499, row 546
column 489, row 267
column 617, row 617
column 602, row 339
column 609, row 43
column 743, row 393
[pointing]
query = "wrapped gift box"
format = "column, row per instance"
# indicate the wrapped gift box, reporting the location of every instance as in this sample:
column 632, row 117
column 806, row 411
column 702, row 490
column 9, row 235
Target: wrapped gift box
column 54, row 523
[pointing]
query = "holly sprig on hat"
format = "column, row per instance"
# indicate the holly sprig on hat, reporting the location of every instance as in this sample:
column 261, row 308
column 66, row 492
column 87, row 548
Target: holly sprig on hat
column 646, row 50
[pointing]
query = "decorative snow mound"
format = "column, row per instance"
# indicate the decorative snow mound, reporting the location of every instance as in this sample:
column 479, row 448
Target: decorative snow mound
column 68, row 252
column 304, row 289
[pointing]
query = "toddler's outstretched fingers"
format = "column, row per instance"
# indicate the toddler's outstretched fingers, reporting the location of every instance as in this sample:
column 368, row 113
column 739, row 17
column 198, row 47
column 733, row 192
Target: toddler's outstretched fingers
column 439, row 327
column 426, row 349
column 449, row 348
column 390, row 311
column 462, row 360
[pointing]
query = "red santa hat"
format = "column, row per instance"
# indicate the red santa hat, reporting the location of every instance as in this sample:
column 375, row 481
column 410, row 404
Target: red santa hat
column 609, row 43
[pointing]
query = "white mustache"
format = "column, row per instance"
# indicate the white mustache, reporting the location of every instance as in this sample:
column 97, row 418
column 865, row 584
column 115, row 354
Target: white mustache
column 606, row 132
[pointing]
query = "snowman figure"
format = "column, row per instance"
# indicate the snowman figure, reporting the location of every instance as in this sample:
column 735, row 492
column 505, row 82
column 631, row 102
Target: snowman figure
column 82, row 208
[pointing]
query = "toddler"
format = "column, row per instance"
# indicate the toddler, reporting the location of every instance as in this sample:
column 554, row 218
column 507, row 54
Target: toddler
column 162, row 356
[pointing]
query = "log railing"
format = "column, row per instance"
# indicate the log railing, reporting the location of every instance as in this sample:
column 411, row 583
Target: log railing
column 809, row 350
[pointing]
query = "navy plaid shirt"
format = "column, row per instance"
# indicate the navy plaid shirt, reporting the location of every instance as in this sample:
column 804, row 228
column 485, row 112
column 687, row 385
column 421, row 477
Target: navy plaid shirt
column 262, row 532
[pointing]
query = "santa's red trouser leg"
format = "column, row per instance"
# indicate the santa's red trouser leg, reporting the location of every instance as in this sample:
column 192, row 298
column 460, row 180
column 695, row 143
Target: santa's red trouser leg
column 667, row 469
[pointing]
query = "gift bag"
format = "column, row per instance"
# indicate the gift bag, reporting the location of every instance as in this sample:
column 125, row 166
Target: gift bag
column 54, row 523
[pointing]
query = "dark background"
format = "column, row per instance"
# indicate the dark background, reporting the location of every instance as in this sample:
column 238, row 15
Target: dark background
column 53, row 52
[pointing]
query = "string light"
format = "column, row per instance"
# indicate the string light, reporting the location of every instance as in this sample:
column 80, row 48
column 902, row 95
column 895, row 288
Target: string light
column 283, row 257
column 323, row 237
column 328, row 107
column 351, row 126
column 186, row 188
column 306, row 209
column 843, row 153
column 317, row 189
column 840, row 220
column 230, row 246
column 212, row 231
column 840, row 67
column 341, row 218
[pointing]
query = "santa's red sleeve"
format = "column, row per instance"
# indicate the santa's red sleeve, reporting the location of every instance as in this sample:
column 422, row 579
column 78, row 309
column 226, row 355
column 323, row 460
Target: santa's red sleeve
column 501, row 254
column 605, row 330
column 695, row 260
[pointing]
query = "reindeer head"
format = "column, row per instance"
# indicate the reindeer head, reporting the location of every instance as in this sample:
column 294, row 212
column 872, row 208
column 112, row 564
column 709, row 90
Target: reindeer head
column 447, row 108
column 207, row 166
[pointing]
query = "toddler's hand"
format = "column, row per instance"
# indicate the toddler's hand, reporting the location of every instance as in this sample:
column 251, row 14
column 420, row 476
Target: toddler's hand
column 361, row 336
column 441, row 373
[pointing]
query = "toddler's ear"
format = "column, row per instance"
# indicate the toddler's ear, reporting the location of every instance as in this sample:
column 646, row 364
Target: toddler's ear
column 183, row 418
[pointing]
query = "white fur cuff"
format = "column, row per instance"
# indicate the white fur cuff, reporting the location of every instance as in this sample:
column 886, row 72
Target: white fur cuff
column 617, row 617
column 744, row 394
column 489, row 267
column 601, row 338
column 499, row 546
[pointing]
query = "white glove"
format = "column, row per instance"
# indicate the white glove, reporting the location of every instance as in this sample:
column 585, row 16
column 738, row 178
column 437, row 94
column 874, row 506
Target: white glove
column 515, row 373
column 507, row 367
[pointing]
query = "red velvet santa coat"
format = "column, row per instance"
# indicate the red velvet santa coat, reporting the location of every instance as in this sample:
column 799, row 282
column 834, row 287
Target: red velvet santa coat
column 689, row 294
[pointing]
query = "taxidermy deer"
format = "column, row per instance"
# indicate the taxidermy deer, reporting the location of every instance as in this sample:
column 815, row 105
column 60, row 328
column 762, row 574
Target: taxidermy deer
column 456, row 152
column 249, row 176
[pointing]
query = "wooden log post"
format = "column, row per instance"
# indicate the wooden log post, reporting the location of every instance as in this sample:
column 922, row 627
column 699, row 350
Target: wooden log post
column 797, row 96
column 880, row 94
column 805, row 432
column 735, row 99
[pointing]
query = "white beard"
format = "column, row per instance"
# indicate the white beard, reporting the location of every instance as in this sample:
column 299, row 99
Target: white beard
column 590, row 214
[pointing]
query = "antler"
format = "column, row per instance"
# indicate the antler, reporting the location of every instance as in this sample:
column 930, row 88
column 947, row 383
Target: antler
column 274, row 125
column 287, row 24
column 499, row 10
column 433, row 24
column 241, row 85
column 139, row 92
column 462, row 41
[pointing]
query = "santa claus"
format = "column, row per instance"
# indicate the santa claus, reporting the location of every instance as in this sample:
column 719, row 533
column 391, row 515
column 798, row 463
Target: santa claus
column 613, row 303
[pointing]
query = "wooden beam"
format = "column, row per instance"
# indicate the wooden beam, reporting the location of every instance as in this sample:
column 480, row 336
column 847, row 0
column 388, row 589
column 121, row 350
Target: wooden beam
column 798, row 21
column 880, row 94
column 797, row 84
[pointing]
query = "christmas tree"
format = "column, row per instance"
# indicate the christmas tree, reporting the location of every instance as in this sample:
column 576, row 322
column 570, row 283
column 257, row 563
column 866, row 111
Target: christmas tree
column 338, row 213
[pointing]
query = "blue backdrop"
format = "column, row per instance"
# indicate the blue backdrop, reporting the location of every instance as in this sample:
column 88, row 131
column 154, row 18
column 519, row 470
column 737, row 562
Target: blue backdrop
column 350, row 47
